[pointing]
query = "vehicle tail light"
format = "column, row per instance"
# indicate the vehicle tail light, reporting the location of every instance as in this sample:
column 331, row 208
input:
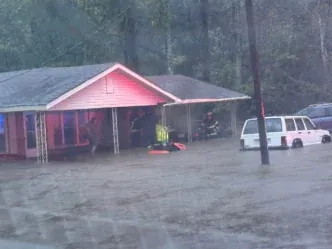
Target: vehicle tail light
column 242, row 143
column 284, row 141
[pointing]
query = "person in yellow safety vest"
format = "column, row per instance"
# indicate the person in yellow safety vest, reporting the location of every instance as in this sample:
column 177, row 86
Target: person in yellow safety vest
column 161, row 134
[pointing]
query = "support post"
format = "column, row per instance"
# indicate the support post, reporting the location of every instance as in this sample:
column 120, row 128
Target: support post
column 257, row 83
column 163, row 116
column 234, row 119
column 41, row 137
column 115, row 130
column 189, row 123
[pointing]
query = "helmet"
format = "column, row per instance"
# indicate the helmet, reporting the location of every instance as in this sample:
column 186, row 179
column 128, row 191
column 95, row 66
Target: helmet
column 209, row 114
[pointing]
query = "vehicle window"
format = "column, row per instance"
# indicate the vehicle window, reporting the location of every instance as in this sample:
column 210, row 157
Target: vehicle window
column 313, row 112
column 251, row 127
column 290, row 125
column 308, row 124
column 271, row 124
column 317, row 112
column 329, row 111
column 299, row 124
column 305, row 111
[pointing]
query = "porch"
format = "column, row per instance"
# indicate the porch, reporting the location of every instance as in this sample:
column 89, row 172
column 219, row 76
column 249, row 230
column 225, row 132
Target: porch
column 47, row 135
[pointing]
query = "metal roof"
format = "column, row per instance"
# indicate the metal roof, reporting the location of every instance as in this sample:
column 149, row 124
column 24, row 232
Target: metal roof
column 188, row 89
column 38, row 87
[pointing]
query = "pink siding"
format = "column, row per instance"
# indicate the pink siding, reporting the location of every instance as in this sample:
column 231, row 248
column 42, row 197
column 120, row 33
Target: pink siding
column 125, row 92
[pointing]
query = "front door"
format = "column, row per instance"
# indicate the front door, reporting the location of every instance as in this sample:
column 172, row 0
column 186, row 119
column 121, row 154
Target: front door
column 312, row 136
column 3, row 132
column 302, row 133
column 30, row 134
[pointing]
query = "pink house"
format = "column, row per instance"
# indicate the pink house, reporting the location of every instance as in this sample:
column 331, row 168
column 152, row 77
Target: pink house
column 44, row 110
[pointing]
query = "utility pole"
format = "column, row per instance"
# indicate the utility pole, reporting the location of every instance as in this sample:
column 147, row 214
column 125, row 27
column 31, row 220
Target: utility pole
column 257, row 84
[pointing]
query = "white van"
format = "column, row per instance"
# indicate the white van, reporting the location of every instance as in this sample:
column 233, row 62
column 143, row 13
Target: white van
column 283, row 132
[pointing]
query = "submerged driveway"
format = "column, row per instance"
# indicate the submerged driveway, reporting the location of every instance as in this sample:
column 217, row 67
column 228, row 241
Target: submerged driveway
column 210, row 196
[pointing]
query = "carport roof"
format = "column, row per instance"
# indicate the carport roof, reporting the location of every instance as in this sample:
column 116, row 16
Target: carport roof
column 191, row 90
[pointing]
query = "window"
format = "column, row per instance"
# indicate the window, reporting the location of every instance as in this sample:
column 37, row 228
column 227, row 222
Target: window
column 251, row 127
column 30, row 131
column 313, row 112
column 308, row 124
column 109, row 85
column 3, row 133
column 299, row 124
column 317, row 112
column 329, row 111
column 271, row 124
column 290, row 125
column 69, row 127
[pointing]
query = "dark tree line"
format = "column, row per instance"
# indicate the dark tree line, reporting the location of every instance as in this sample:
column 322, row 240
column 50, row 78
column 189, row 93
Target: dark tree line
column 206, row 39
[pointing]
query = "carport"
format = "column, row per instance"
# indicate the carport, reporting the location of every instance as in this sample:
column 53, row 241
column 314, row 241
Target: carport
column 193, row 92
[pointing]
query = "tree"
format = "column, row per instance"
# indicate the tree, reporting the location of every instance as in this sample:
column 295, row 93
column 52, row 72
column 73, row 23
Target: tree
column 204, row 36
column 205, row 39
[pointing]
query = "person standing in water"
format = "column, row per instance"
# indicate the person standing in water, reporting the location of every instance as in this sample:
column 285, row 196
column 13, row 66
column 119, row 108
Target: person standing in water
column 148, row 125
column 135, row 128
column 93, row 134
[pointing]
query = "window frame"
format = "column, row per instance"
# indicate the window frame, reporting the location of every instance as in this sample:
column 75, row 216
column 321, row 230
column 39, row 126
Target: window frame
column 78, row 141
column 313, row 126
column 293, row 121
column 297, row 128
column 266, row 128
column 109, row 85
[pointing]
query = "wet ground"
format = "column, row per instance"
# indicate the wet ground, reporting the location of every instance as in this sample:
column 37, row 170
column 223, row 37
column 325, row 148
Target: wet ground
column 211, row 196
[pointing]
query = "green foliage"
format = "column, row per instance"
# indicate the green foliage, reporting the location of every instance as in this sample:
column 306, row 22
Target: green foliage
column 35, row 33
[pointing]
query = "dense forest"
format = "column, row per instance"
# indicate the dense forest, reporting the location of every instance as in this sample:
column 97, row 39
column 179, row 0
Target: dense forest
column 205, row 39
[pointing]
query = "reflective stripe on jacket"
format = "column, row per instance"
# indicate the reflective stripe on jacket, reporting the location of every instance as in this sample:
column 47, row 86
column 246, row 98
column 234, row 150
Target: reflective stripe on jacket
column 161, row 133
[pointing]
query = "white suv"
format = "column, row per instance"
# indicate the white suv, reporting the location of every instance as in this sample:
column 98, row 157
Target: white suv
column 283, row 132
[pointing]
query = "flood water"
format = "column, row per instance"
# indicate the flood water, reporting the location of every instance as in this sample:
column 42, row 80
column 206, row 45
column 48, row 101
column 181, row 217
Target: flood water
column 210, row 196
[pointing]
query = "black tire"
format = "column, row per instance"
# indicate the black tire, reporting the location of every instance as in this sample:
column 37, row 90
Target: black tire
column 297, row 144
column 326, row 139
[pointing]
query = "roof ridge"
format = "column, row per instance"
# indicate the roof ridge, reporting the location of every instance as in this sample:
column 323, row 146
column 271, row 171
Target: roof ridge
column 39, row 68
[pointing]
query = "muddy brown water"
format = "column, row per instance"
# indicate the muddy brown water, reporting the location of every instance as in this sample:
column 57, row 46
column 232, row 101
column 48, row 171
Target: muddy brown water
column 210, row 196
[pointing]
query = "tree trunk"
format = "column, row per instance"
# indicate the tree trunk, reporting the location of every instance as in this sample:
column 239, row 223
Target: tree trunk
column 237, row 43
column 324, row 55
column 205, row 48
column 238, row 64
column 130, row 35
column 168, row 38
column 169, row 50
